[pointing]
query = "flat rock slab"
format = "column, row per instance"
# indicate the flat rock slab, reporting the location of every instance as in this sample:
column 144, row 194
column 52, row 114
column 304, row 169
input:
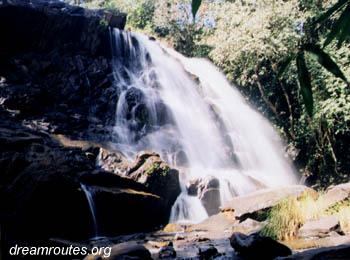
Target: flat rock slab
column 310, row 243
column 263, row 199
column 319, row 228
column 248, row 226
column 338, row 252
column 216, row 224
column 336, row 194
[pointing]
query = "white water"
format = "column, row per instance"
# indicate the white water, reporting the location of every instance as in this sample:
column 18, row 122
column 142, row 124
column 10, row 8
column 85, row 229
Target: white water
column 90, row 199
column 221, row 135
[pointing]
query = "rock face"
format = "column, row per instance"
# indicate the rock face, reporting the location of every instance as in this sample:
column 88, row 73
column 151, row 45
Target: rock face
column 320, row 228
column 41, row 195
column 34, row 172
column 55, row 67
column 57, row 106
column 262, row 199
column 257, row 247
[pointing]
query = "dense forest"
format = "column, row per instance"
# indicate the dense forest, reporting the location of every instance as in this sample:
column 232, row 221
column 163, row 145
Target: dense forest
column 256, row 43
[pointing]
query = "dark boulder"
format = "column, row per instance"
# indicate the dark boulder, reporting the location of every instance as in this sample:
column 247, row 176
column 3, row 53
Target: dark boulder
column 119, row 210
column 256, row 246
column 116, row 20
column 180, row 159
column 208, row 253
column 157, row 176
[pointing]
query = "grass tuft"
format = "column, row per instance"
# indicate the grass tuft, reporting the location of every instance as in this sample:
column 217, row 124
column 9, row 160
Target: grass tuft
column 289, row 215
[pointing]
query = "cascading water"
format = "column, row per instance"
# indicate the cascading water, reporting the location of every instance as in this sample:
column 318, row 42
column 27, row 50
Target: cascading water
column 186, row 110
column 90, row 199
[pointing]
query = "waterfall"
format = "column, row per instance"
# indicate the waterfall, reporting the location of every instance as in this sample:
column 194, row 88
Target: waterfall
column 186, row 110
column 90, row 199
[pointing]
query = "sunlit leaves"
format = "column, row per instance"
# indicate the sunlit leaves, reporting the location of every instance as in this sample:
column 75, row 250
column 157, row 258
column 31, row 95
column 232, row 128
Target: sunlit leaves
column 333, row 9
column 341, row 27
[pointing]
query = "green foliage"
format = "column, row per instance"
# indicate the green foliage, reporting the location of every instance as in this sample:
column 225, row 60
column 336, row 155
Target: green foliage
column 195, row 6
column 305, row 82
column 156, row 167
column 103, row 23
column 341, row 27
column 143, row 14
column 325, row 60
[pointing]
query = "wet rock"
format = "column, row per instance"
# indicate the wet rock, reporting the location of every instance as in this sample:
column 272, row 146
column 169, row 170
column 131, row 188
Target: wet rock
column 208, row 253
column 257, row 247
column 245, row 206
column 181, row 159
column 157, row 176
column 320, row 228
column 211, row 200
column 207, row 190
column 136, row 111
column 167, row 252
column 116, row 20
column 132, row 205
column 164, row 114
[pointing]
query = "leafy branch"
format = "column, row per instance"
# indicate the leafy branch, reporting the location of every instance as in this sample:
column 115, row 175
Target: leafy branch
column 195, row 6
